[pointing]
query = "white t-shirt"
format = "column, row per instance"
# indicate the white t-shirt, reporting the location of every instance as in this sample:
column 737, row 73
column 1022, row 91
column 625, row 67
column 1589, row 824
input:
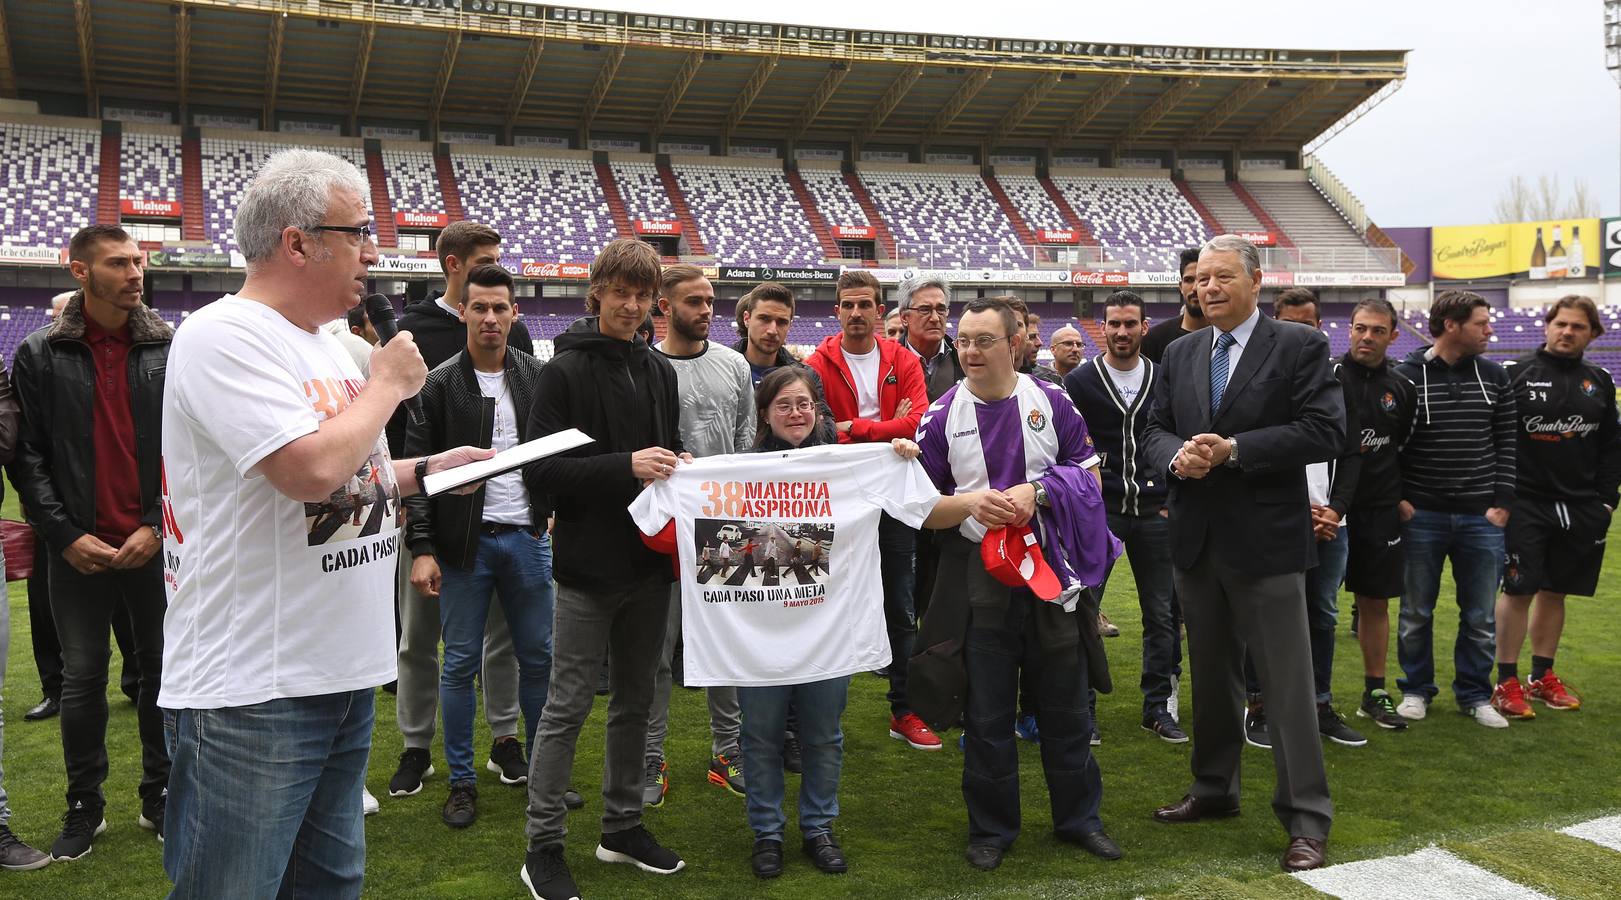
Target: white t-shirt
column 797, row 623
column 505, row 498
column 1129, row 384
column 268, row 597
column 864, row 370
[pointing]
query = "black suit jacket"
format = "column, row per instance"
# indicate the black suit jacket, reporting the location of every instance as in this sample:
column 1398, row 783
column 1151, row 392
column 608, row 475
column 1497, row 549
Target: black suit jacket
column 1286, row 410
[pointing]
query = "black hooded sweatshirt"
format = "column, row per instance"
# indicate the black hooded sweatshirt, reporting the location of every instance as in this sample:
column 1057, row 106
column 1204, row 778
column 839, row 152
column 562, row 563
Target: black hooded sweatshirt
column 1382, row 403
column 624, row 396
column 1460, row 453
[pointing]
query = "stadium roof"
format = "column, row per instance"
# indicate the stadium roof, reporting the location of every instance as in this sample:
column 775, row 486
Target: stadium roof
column 523, row 66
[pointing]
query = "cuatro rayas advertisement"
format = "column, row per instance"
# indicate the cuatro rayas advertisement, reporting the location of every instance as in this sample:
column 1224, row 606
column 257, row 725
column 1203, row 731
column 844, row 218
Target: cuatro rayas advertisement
column 1556, row 248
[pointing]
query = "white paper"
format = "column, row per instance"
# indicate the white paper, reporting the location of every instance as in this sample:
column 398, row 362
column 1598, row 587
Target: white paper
column 505, row 461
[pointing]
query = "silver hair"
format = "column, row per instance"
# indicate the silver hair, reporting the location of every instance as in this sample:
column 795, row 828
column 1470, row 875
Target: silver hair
column 293, row 190
column 1232, row 243
column 917, row 283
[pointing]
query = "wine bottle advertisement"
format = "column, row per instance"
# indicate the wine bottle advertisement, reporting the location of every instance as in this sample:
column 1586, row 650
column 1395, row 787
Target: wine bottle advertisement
column 1554, row 249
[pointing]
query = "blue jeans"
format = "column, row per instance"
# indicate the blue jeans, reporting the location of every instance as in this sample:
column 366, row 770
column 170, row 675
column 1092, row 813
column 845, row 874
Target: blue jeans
column 264, row 800
column 517, row 567
column 819, row 705
column 1322, row 608
column 897, row 548
column 1475, row 547
column 1148, row 546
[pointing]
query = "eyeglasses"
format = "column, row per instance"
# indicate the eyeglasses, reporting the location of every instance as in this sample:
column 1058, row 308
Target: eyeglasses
column 983, row 342
column 364, row 231
column 926, row 311
column 784, row 408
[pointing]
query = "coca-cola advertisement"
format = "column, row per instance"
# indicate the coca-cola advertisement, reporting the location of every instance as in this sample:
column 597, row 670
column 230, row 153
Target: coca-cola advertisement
column 571, row 270
column 1099, row 279
column 421, row 220
column 169, row 209
column 1058, row 236
column 655, row 226
column 855, row 232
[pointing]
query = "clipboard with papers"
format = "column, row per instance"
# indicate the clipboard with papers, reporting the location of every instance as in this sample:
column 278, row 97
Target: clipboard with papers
column 436, row 483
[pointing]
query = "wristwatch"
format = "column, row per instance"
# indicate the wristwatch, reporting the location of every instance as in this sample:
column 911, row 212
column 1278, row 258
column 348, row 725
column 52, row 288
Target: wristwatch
column 1232, row 453
column 1041, row 495
column 421, row 473
column 157, row 532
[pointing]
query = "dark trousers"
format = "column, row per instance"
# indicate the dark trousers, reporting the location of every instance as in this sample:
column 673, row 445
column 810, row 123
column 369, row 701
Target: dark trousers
column 926, row 562
column 1148, row 546
column 897, row 545
column 84, row 607
column 1227, row 612
column 42, row 628
column 998, row 646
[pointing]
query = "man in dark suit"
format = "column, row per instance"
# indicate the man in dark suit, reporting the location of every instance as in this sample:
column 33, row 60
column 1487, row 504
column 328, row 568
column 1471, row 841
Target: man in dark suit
column 1251, row 402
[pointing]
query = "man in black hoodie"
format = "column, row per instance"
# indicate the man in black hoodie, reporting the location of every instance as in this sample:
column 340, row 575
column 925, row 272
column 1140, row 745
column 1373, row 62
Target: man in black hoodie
column 1569, row 471
column 613, row 593
column 1458, row 478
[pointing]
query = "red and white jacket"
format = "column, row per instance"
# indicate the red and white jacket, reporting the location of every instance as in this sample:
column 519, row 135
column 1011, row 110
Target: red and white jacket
column 899, row 375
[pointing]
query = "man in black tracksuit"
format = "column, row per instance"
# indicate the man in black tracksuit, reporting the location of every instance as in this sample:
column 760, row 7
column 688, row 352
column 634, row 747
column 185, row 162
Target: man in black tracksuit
column 613, row 594
column 1382, row 403
column 1458, row 480
column 1115, row 392
column 1569, row 472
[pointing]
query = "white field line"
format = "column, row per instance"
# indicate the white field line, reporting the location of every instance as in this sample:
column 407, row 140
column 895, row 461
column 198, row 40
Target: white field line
column 1605, row 832
column 1429, row 873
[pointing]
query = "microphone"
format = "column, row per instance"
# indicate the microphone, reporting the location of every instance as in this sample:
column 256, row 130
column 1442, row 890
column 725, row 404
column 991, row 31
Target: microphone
column 380, row 310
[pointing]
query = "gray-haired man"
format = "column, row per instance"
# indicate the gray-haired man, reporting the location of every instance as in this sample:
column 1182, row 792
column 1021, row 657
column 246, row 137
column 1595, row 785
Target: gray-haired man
column 925, row 307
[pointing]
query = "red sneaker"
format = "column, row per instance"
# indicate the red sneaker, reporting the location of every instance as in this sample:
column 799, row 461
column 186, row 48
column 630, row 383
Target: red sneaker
column 910, row 728
column 1552, row 691
column 1508, row 698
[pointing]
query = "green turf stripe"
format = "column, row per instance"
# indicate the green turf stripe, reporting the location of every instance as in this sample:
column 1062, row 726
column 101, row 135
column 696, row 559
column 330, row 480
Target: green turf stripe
column 1556, row 864
column 1211, row 887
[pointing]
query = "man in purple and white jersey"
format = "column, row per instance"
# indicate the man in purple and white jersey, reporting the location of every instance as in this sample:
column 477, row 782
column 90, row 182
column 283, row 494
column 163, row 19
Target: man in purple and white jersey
column 1023, row 441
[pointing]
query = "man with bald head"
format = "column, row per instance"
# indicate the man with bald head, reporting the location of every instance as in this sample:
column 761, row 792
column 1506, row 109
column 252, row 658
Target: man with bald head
column 1066, row 346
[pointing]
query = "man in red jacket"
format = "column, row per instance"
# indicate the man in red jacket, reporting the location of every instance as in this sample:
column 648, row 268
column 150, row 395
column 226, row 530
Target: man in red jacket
column 875, row 389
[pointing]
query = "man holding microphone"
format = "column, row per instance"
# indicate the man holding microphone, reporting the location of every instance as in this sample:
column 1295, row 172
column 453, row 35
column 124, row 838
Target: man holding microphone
column 278, row 631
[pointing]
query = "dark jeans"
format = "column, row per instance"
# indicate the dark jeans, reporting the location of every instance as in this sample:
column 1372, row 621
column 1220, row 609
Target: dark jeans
column 897, row 545
column 84, row 607
column 48, row 649
column 927, row 562
column 1148, row 545
column 990, row 775
column 1475, row 547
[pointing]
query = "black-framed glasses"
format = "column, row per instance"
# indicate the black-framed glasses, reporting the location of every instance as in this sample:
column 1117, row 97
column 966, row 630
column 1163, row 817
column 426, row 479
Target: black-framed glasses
column 983, row 342
column 926, row 311
column 364, row 231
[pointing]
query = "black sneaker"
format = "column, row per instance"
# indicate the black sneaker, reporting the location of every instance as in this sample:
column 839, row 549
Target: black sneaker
column 1255, row 733
column 1378, row 706
column 462, row 808
column 572, row 800
column 507, row 760
column 415, row 765
column 81, row 825
column 1164, row 727
column 151, row 817
column 546, row 875
column 793, row 756
column 1331, row 726
column 1097, row 736
column 637, row 847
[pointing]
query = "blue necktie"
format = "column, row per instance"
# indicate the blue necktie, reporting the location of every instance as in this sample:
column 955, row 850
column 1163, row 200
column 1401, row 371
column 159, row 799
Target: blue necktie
column 1218, row 370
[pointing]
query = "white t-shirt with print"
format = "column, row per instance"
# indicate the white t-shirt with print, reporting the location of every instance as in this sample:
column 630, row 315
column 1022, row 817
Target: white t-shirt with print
column 1129, row 384
column 505, row 498
column 795, row 623
column 864, row 370
column 269, row 597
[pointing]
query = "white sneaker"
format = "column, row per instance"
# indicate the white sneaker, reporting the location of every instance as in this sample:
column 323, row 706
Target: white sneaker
column 1412, row 706
column 368, row 804
column 1488, row 716
column 1171, row 702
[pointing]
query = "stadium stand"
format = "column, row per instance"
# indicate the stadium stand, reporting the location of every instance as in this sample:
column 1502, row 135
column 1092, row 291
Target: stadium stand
column 1031, row 200
column 748, row 215
column 945, row 220
column 228, row 165
column 1141, row 222
column 642, row 191
column 547, row 209
column 833, row 197
column 48, row 179
column 150, row 166
column 413, row 183
column 1326, row 240
column 1229, row 210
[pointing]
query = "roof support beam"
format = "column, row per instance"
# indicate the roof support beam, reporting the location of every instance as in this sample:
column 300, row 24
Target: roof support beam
column 1094, row 103
column 278, row 31
column 8, row 73
column 1225, row 109
column 1027, row 102
column 87, row 54
column 520, row 87
column 599, row 90
column 182, row 57
column 1157, row 110
column 745, row 98
column 959, row 101
column 368, row 32
column 813, row 107
column 678, row 89
column 886, row 104
column 1294, row 109
column 447, row 65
